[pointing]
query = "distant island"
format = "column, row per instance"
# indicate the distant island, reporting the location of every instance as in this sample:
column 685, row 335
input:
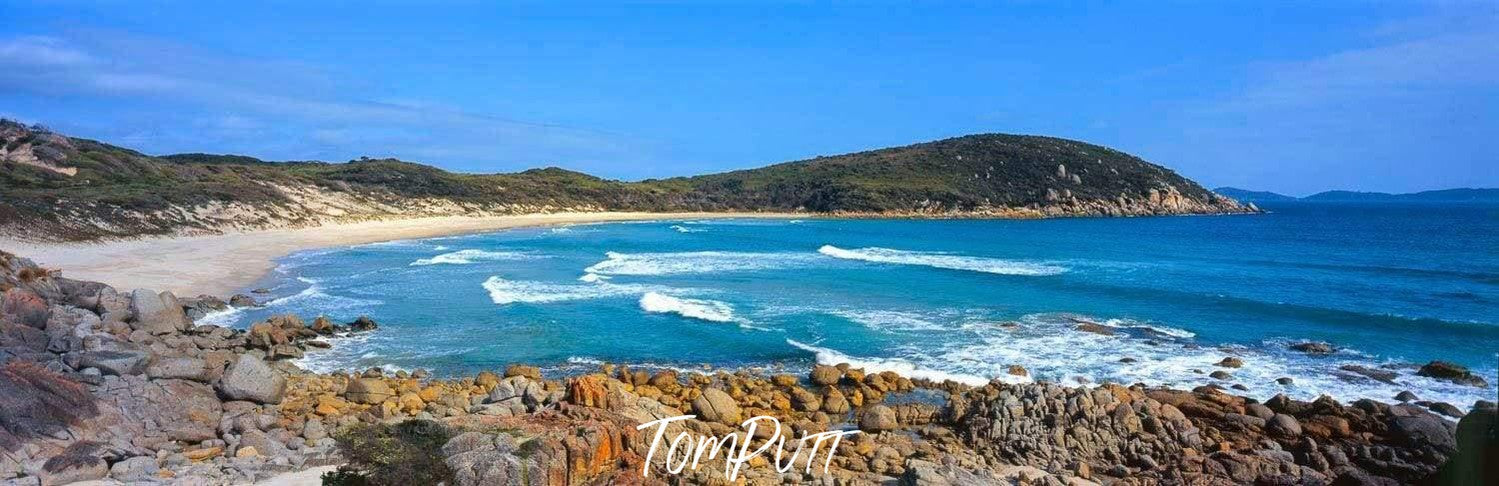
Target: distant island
column 56, row 187
column 1439, row 195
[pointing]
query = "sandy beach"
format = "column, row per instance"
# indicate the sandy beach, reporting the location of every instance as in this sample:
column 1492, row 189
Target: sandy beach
column 228, row 263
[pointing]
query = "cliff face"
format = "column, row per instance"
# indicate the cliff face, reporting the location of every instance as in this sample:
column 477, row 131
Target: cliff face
column 55, row 187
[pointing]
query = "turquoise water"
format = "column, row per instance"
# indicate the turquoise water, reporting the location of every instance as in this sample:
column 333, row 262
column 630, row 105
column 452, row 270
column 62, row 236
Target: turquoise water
column 1388, row 284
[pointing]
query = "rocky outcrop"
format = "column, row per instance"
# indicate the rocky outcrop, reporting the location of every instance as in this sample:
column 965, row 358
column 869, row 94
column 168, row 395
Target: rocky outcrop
column 95, row 383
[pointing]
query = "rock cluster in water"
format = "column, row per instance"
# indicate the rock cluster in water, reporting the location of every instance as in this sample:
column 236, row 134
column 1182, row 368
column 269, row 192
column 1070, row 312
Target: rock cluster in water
column 96, row 383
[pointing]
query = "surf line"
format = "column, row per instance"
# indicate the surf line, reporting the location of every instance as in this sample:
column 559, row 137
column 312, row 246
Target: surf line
column 692, row 449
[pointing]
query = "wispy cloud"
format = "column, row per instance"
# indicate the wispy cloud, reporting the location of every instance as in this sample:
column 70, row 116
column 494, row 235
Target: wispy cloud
column 1357, row 116
column 230, row 102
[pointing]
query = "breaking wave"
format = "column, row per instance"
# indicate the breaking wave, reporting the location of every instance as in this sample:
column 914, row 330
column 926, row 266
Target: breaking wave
column 707, row 310
column 942, row 260
column 827, row 356
column 463, row 257
column 692, row 262
column 502, row 291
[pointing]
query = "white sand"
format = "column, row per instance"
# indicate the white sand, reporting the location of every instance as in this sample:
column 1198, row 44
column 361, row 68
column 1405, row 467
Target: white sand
column 225, row 264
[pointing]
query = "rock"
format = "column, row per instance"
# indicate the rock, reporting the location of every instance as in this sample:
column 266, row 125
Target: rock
column 1380, row 375
column 1220, row 375
column 25, row 307
column 134, row 470
column 1095, row 328
column 362, row 324
column 1018, row 370
column 1313, row 347
column 182, row 410
column 249, row 378
column 487, row 379
column 1285, row 380
column 1406, row 396
column 716, row 406
column 783, row 380
column 158, row 313
column 72, row 470
column 825, row 375
column 1284, row 426
column 805, row 401
column 265, row 335
column 202, row 305
column 180, row 368
column 247, row 451
column 1231, row 362
column 924, row 473
column 1443, row 370
column 122, row 362
column 1424, row 431
column 369, row 391
column 322, row 326
column 833, row 402
column 531, row 372
column 204, row 453
column 1445, row 408
column 313, row 429
column 588, row 391
column 878, row 418
column 242, row 300
column 284, row 351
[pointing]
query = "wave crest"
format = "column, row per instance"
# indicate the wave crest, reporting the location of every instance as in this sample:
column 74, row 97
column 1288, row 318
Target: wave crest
column 707, row 310
column 942, row 260
column 502, row 291
column 463, row 257
column 691, row 262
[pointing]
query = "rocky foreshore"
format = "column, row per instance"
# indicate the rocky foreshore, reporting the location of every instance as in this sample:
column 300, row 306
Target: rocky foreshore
column 101, row 384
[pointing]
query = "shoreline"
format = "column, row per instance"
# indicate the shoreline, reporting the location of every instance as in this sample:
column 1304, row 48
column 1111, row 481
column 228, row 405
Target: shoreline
column 208, row 404
column 224, row 264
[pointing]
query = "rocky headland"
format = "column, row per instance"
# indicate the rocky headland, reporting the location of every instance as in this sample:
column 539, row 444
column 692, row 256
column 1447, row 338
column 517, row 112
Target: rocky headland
column 102, row 384
column 59, row 188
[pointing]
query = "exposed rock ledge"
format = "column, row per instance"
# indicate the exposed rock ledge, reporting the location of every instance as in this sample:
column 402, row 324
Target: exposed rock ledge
column 97, row 384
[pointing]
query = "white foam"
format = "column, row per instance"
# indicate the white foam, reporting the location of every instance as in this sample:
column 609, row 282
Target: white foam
column 887, row 320
column 313, row 298
column 502, row 291
column 942, row 260
column 1156, row 328
column 593, row 278
column 695, row 262
column 221, row 318
column 905, row 368
column 707, row 310
column 683, row 229
column 462, row 257
column 1051, row 348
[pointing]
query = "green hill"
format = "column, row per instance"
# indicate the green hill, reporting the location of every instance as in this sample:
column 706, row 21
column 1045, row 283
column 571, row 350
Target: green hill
column 59, row 187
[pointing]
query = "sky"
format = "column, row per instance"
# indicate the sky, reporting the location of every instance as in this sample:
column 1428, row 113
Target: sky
column 1295, row 97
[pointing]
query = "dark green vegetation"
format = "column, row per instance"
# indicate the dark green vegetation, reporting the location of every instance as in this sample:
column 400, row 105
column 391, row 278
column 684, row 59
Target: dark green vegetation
column 1247, row 195
column 402, row 454
column 57, row 187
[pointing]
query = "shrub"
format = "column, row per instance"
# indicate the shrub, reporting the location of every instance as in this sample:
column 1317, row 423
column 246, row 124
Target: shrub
column 402, row 454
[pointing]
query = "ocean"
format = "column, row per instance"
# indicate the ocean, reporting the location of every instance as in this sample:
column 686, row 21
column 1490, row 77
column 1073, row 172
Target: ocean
column 1391, row 286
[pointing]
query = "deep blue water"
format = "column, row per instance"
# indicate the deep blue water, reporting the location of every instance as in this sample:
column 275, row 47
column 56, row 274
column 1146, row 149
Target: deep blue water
column 1388, row 284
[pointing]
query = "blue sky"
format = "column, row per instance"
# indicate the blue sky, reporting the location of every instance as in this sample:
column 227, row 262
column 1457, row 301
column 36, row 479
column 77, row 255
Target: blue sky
column 1295, row 97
